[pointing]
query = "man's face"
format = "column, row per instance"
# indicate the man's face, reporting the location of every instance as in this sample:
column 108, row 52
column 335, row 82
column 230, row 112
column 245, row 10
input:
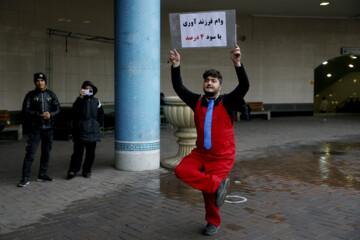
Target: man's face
column 212, row 87
column 40, row 83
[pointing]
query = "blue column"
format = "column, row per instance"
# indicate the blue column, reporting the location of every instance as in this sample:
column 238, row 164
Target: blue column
column 137, row 84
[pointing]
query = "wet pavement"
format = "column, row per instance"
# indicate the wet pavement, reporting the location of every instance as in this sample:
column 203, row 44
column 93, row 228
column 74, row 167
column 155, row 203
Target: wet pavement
column 296, row 178
column 308, row 193
column 334, row 164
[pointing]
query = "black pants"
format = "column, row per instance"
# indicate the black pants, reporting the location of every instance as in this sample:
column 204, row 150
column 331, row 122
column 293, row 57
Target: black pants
column 76, row 157
column 33, row 140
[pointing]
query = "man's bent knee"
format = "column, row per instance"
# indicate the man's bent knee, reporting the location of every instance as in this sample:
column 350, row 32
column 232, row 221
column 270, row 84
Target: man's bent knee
column 178, row 171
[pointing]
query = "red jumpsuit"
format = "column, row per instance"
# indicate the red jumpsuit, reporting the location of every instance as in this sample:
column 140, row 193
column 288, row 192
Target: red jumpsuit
column 205, row 169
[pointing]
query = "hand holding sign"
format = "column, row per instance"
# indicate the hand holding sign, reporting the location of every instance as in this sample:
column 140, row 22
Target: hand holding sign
column 175, row 58
column 235, row 55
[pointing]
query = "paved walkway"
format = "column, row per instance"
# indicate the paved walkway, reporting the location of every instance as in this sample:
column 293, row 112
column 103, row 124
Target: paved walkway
column 300, row 176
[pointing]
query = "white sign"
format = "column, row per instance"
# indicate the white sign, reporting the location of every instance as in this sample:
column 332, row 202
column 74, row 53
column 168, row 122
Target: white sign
column 205, row 29
column 350, row 50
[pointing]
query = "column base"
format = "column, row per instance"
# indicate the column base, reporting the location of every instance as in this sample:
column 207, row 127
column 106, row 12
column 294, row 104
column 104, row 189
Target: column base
column 137, row 160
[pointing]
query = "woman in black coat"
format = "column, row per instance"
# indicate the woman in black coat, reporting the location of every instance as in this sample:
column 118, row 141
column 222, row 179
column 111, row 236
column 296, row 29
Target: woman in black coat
column 88, row 116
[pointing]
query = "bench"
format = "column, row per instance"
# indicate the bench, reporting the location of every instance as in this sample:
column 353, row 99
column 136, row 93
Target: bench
column 257, row 108
column 7, row 126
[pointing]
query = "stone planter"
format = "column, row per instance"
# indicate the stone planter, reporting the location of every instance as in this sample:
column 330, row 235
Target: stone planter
column 181, row 116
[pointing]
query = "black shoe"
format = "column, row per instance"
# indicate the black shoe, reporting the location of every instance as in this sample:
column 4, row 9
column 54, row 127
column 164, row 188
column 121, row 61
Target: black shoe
column 44, row 178
column 222, row 191
column 86, row 174
column 71, row 175
column 24, row 182
column 210, row 229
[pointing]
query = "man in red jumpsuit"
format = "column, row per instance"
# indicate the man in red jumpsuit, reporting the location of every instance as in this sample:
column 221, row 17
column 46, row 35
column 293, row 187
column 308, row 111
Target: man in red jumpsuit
column 207, row 166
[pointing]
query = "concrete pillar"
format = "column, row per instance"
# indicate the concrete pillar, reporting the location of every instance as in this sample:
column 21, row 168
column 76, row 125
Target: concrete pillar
column 137, row 84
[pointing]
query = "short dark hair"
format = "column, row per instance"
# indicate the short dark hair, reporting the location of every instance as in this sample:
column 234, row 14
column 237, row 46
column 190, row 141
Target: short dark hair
column 213, row 73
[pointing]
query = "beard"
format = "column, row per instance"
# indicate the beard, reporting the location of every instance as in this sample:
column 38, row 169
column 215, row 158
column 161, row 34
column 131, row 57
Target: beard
column 210, row 94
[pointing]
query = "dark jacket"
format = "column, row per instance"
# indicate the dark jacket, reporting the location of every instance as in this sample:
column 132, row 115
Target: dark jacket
column 37, row 102
column 88, row 116
column 230, row 100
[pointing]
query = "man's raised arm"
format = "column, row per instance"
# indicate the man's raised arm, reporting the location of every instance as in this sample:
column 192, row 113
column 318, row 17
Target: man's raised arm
column 236, row 96
column 235, row 56
column 187, row 96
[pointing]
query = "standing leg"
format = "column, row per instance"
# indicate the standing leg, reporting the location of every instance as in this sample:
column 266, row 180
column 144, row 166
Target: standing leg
column 212, row 212
column 76, row 157
column 33, row 141
column 46, row 144
column 89, row 158
column 221, row 169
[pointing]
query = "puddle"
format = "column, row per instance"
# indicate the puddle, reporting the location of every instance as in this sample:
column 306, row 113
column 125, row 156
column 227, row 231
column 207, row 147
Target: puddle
column 173, row 188
column 334, row 164
column 331, row 164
